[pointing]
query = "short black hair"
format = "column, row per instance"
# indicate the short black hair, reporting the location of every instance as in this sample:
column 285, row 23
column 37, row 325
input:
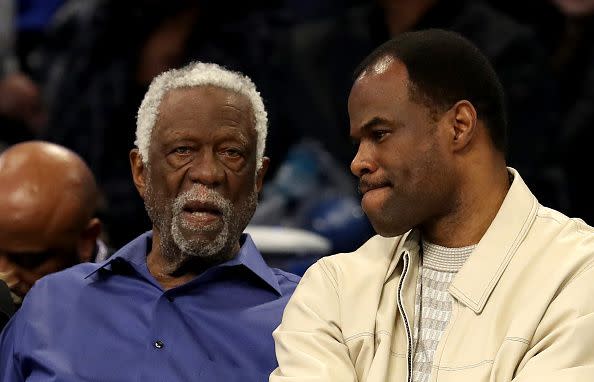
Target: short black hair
column 444, row 68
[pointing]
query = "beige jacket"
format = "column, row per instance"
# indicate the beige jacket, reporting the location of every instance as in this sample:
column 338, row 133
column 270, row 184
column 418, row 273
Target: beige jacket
column 523, row 307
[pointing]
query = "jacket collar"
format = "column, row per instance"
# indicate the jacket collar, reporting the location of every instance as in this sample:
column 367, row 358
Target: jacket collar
column 477, row 279
column 407, row 243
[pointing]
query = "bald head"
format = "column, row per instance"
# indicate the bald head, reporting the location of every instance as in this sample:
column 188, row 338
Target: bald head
column 48, row 198
column 43, row 186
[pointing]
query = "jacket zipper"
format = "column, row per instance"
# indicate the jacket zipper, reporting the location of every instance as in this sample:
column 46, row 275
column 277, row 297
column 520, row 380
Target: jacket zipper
column 406, row 323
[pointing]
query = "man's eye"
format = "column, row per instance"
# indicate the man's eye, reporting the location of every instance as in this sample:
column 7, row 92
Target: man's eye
column 232, row 153
column 182, row 150
column 378, row 135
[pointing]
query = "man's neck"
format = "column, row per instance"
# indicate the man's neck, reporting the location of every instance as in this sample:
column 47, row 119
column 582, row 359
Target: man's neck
column 171, row 273
column 168, row 281
column 477, row 207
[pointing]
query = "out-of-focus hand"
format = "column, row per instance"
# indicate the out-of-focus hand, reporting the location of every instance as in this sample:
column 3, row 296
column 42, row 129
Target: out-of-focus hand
column 20, row 99
column 9, row 276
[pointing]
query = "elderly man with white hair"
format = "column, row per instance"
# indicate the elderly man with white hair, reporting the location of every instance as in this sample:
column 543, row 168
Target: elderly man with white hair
column 192, row 299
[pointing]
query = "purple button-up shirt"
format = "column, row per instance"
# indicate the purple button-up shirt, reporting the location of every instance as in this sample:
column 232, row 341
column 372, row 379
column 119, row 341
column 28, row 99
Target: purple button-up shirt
column 113, row 322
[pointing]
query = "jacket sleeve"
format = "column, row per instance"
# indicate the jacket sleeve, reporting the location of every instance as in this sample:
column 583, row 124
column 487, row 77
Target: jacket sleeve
column 309, row 342
column 563, row 346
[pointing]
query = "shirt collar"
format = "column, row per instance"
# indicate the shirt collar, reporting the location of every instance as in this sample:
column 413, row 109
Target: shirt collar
column 250, row 257
column 134, row 253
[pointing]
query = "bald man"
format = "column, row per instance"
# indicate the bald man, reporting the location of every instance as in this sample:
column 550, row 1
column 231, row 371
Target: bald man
column 48, row 198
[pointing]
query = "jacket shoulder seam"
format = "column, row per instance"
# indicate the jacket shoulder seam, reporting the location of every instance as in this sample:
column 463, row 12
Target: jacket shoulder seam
column 549, row 216
column 327, row 273
column 581, row 272
column 579, row 227
column 334, row 282
column 574, row 222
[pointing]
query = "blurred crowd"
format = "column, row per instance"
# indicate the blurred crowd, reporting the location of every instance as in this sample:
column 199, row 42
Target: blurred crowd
column 73, row 72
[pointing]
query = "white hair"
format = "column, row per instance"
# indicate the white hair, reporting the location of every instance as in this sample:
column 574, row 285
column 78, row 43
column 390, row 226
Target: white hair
column 192, row 75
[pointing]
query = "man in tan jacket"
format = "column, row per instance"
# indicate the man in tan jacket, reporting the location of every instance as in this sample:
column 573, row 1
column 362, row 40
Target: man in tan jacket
column 471, row 279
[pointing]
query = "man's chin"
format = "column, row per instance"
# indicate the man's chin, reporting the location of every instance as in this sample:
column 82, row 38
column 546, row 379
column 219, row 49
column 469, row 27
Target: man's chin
column 193, row 241
column 388, row 228
column 196, row 241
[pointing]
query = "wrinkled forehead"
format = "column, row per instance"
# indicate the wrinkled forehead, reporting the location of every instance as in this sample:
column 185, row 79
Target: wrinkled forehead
column 206, row 97
column 220, row 105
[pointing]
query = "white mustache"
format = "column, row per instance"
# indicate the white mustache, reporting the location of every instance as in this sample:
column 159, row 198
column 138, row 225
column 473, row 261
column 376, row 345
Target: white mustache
column 202, row 194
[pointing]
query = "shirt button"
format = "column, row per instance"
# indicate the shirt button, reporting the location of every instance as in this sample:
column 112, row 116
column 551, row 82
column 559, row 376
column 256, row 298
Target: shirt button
column 159, row 344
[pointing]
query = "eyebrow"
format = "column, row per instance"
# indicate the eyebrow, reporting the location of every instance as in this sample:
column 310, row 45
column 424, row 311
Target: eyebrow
column 373, row 122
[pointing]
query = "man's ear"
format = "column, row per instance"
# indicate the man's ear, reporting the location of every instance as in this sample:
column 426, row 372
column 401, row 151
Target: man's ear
column 464, row 124
column 138, row 171
column 261, row 172
column 88, row 240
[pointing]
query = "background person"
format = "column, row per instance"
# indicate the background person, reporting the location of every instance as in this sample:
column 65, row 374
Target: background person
column 48, row 199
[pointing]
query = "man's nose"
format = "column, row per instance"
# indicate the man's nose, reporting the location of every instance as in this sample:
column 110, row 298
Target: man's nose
column 206, row 169
column 362, row 162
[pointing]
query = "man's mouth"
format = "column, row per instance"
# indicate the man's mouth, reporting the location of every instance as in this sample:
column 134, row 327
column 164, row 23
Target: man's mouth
column 203, row 211
column 366, row 186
